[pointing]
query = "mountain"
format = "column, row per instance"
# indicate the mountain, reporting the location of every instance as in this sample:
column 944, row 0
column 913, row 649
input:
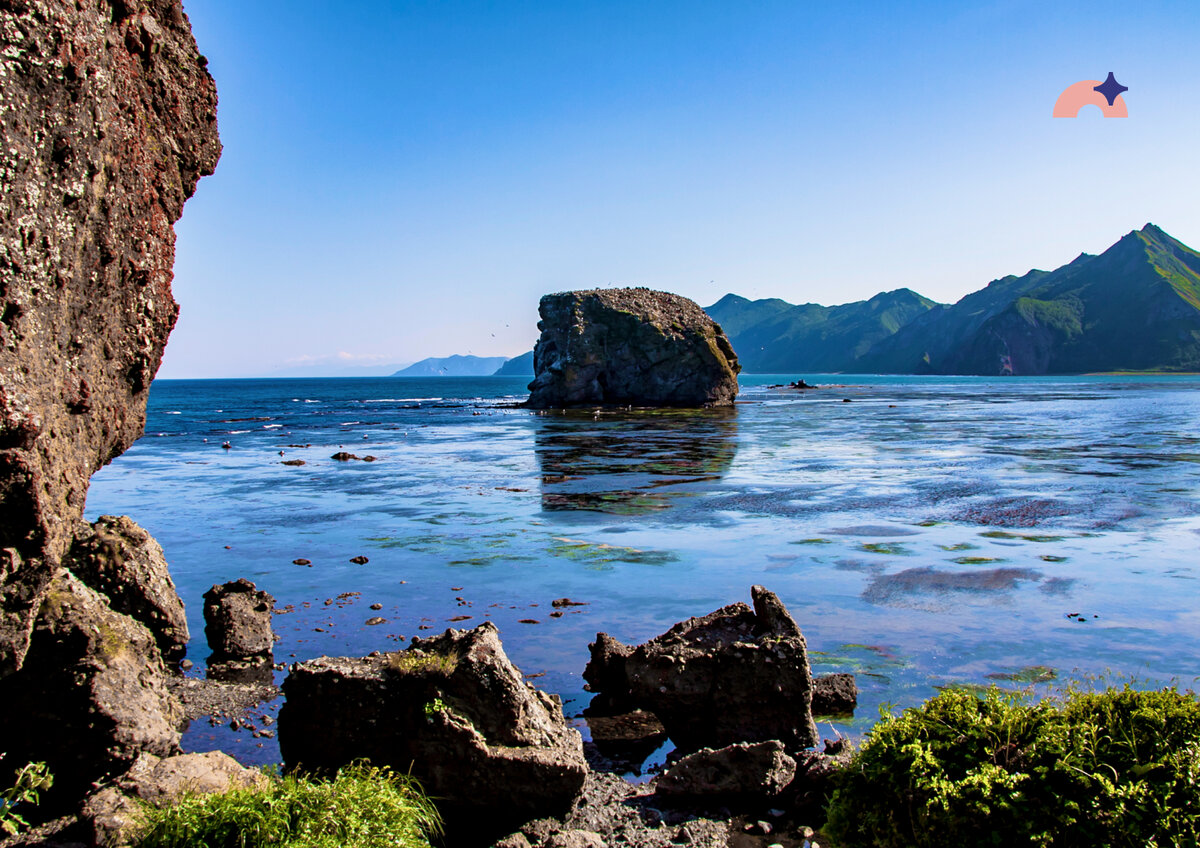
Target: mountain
column 1134, row 307
column 773, row 336
column 453, row 366
column 518, row 366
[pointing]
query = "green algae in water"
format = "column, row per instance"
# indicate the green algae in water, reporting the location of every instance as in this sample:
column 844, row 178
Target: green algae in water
column 1028, row 674
column 602, row 556
column 1053, row 558
column 976, row 560
column 814, row 541
column 961, row 546
column 886, row 548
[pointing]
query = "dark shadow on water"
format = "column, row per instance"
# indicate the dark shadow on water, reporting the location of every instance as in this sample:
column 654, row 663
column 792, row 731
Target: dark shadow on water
column 632, row 463
column 928, row 580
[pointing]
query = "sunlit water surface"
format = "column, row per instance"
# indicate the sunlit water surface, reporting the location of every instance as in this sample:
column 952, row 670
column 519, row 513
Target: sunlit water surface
column 929, row 532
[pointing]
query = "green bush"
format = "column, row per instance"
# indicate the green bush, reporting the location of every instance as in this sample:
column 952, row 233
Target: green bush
column 362, row 807
column 1113, row 768
column 28, row 782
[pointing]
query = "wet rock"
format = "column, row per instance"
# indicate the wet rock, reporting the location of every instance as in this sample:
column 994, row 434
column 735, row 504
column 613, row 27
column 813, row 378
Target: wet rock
column 815, row 777
column 122, row 561
column 375, row 620
column 99, row 149
column 620, row 347
column 237, row 621
column 834, row 694
column 623, row 742
column 113, row 813
column 455, row 712
column 747, row 772
column 567, row 602
column 91, row 695
column 293, row 462
column 359, row 560
column 735, row 675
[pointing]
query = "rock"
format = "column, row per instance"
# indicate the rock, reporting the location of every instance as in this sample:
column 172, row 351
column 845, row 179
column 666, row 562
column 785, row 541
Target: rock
column 375, row 620
column 834, row 694
column 237, row 621
column 91, row 695
column 575, row 839
column 749, row 772
column 112, row 813
column 735, row 675
column 567, row 602
column 359, row 560
column 122, row 561
column 453, row 711
column 513, row 840
column 814, row 780
column 620, row 347
column 100, row 145
column 293, row 462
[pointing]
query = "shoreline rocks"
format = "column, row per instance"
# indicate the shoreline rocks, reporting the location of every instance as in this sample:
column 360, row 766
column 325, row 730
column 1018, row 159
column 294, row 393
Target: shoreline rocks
column 237, row 622
column 633, row 346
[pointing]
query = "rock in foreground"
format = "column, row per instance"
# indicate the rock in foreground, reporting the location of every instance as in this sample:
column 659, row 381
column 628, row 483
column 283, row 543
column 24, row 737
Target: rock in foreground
column 622, row 347
column 453, row 711
column 735, row 675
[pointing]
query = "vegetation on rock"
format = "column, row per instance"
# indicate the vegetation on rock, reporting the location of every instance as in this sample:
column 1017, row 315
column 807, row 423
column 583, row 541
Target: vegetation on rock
column 28, row 783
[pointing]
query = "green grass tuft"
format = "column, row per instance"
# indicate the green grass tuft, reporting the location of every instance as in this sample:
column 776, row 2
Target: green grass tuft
column 362, row 807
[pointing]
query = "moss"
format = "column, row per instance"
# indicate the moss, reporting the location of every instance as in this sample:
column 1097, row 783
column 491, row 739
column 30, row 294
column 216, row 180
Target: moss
column 413, row 662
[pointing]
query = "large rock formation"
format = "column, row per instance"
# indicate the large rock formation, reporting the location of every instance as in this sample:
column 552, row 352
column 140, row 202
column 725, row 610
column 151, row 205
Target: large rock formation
column 108, row 119
column 734, row 675
column 621, row 347
column 237, row 621
column 455, row 712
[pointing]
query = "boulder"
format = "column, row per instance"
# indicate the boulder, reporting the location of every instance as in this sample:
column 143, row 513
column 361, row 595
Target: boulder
column 834, row 694
column 622, row 347
column 113, row 812
column 454, row 712
column 739, row 674
column 107, row 122
column 122, row 561
column 91, row 695
column 237, row 621
column 754, row 772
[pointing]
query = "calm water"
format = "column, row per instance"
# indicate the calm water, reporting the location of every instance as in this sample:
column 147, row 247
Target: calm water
column 930, row 532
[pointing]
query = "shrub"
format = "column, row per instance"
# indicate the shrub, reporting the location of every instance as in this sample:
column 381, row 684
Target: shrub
column 29, row 781
column 361, row 807
column 1113, row 768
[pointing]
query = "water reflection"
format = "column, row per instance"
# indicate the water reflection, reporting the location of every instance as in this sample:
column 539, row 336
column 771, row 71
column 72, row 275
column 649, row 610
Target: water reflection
column 632, row 462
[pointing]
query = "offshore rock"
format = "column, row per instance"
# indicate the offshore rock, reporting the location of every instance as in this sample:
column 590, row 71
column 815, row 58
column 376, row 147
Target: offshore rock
column 748, row 772
column 621, row 347
column 122, row 561
column 835, row 694
column 107, row 121
column 91, row 696
column 734, row 675
column 454, row 711
column 237, row 621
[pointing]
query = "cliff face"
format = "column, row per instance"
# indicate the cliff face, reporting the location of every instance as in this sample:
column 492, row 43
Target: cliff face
column 619, row 347
column 108, row 118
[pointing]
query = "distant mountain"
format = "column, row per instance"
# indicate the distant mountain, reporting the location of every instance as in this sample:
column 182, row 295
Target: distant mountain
column 518, row 366
column 453, row 366
column 1134, row 307
column 773, row 336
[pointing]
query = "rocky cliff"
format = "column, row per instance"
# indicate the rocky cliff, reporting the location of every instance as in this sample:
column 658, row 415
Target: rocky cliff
column 108, row 118
column 620, row 347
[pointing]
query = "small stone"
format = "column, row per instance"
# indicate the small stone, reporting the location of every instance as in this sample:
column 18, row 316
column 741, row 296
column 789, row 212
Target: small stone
column 528, row 621
column 359, row 560
column 376, row 606
column 567, row 602
column 301, row 561
column 374, row 620
column 186, row 665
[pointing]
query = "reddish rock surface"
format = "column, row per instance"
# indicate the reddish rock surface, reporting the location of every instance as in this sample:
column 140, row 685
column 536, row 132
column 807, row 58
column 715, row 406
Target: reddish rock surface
column 108, row 120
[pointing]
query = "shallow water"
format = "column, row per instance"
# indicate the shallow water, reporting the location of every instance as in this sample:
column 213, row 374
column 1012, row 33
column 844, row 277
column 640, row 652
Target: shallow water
column 930, row 532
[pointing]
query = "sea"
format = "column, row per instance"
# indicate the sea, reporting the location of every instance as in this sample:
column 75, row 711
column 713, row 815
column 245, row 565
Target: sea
column 925, row 532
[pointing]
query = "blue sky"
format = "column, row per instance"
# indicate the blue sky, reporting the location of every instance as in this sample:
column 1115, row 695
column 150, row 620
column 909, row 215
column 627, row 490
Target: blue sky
column 405, row 179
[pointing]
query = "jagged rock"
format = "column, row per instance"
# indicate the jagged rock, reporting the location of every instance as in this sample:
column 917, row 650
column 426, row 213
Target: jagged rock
column 735, row 675
column 574, row 838
column 122, row 561
column 91, row 695
column 815, row 772
column 834, row 694
column 237, row 621
column 113, row 812
column 745, row 771
column 452, row 709
column 107, row 121
column 620, row 347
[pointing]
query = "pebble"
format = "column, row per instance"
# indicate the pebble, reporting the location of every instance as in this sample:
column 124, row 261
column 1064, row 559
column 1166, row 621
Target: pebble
column 528, row 621
column 301, row 561
column 376, row 606
column 371, row 622
column 185, row 664
column 359, row 560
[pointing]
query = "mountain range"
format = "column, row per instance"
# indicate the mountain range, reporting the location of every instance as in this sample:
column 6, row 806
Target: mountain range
column 1135, row 307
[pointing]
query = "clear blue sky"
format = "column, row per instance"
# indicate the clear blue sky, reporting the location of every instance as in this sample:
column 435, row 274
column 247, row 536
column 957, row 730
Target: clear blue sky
column 406, row 179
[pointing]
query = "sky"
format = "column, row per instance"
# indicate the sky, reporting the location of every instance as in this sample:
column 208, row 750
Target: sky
column 407, row 179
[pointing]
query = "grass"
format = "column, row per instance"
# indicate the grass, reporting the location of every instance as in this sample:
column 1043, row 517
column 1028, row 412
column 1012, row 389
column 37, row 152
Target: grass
column 1119, row 767
column 361, row 807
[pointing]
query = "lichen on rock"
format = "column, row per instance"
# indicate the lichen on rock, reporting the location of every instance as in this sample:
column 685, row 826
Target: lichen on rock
column 630, row 347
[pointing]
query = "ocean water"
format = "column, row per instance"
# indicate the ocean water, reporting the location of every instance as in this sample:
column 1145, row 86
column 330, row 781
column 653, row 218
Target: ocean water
column 924, row 532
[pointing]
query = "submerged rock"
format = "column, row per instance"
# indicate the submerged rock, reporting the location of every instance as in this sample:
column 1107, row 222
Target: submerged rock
column 237, row 621
column 122, row 561
column 453, row 711
column 621, row 347
column 734, row 675
column 751, row 772
column 107, row 121
column 91, row 696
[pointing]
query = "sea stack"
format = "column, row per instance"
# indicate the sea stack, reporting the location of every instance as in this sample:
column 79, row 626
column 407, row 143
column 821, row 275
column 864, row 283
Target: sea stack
column 630, row 347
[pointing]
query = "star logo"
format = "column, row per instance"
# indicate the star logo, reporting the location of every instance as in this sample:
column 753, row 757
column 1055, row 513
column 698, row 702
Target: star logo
column 1106, row 95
